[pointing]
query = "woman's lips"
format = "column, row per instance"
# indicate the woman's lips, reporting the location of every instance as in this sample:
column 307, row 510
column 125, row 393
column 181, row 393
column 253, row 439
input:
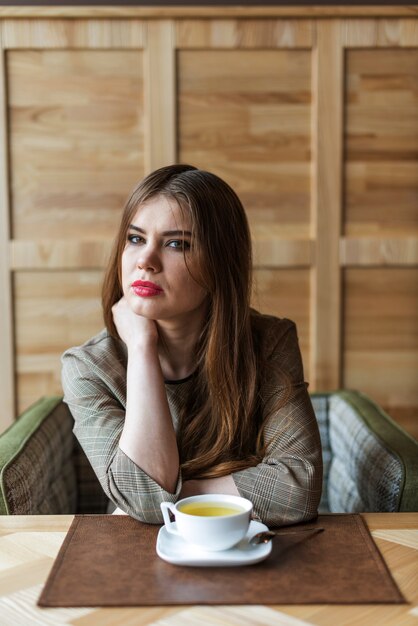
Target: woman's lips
column 146, row 289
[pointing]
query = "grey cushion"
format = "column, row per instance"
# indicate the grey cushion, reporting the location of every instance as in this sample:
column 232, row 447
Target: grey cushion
column 364, row 475
column 320, row 403
column 370, row 462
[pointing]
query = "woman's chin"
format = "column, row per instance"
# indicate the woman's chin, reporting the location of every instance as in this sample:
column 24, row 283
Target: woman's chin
column 143, row 307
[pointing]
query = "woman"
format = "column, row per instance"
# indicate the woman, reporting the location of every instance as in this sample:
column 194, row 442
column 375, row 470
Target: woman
column 188, row 390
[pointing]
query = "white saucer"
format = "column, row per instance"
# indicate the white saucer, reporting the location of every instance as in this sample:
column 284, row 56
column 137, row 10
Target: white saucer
column 174, row 549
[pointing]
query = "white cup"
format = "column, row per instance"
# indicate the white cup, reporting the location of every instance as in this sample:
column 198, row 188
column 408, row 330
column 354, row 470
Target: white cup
column 211, row 521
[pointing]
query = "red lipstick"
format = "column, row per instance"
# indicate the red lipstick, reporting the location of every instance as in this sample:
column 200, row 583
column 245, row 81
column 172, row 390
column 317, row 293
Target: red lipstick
column 146, row 289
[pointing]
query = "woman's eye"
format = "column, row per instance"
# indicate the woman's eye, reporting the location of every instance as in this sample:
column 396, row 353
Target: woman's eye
column 135, row 239
column 179, row 244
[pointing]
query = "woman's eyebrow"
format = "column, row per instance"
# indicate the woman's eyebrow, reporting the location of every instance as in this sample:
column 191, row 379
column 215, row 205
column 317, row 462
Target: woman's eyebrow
column 166, row 233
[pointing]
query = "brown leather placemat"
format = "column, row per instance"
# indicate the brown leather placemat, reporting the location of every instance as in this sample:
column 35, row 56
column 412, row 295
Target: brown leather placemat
column 110, row 560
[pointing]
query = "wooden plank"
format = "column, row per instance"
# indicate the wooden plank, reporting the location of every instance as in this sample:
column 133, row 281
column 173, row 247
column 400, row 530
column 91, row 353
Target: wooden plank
column 75, row 140
column 285, row 292
column 375, row 33
column 54, row 310
column 358, row 33
column 59, row 254
column 280, row 252
column 409, row 32
column 206, row 11
column 76, row 148
column 378, row 251
column 244, row 34
column 246, row 116
column 92, row 254
column 73, row 34
column 160, row 95
column 381, row 334
column 381, row 142
column 327, row 207
column 7, row 383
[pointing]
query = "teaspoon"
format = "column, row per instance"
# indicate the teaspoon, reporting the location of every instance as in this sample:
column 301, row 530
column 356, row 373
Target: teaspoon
column 267, row 535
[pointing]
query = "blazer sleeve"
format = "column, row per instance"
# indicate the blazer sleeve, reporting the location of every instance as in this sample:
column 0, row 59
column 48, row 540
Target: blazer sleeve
column 285, row 487
column 98, row 422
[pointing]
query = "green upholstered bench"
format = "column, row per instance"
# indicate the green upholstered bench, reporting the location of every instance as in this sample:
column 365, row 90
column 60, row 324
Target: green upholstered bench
column 370, row 463
column 43, row 469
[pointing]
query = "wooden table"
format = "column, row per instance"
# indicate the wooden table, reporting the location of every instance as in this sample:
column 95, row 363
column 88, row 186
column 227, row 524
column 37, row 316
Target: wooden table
column 29, row 545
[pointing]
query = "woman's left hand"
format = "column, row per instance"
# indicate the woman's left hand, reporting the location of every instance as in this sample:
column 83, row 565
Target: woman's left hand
column 132, row 328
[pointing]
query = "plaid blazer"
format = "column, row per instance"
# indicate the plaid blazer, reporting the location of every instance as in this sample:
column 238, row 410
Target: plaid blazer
column 285, row 487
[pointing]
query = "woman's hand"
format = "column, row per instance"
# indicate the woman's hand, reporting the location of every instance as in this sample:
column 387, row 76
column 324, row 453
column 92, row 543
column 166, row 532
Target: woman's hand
column 148, row 437
column 134, row 330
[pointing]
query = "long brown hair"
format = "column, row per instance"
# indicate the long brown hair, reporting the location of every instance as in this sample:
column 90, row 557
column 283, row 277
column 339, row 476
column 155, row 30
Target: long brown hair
column 219, row 430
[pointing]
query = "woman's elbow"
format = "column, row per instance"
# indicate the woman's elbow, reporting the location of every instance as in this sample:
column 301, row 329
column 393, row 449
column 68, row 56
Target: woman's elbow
column 145, row 516
column 290, row 515
column 301, row 504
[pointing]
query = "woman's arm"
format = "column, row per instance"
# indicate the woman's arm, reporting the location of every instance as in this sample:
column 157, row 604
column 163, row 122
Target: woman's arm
column 285, row 488
column 94, row 389
column 148, row 436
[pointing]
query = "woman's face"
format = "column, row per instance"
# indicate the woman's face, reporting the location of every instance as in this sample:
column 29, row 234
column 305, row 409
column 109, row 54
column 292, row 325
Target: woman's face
column 155, row 279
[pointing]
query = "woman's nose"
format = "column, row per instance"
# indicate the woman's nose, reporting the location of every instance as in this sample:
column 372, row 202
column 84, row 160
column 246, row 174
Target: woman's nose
column 148, row 259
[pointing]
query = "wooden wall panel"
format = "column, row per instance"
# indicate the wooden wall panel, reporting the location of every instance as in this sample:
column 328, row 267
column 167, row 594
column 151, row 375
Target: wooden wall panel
column 377, row 33
column 246, row 115
column 244, row 33
column 70, row 34
column 311, row 118
column 380, row 244
column 7, row 358
column 327, row 132
column 53, row 311
column 381, row 163
column 160, row 101
column 286, row 293
column 76, row 146
column 381, row 335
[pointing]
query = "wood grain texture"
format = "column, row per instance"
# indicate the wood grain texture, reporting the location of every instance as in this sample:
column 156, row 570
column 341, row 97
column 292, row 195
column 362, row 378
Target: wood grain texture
column 160, row 89
column 381, row 165
column 29, row 545
column 54, row 310
column 327, row 208
column 381, row 334
column 379, row 251
column 286, row 293
column 245, row 115
column 272, row 250
column 244, row 34
column 59, row 254
column 7, row 359
column 72, row 34
column 76, row 146
column 313, row 121
column 375, row 33
column 149, row 11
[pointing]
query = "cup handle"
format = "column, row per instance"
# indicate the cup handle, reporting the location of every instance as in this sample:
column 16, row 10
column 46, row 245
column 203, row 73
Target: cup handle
column 165, row 508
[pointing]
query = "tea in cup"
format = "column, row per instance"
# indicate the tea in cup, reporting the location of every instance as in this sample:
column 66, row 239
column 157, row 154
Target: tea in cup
column 212, row 522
